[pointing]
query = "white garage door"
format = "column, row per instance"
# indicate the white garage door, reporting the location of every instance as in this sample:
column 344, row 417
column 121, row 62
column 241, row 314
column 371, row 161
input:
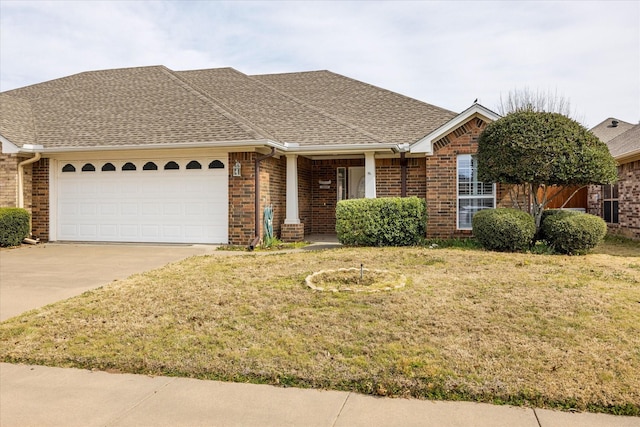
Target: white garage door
column 168, row 200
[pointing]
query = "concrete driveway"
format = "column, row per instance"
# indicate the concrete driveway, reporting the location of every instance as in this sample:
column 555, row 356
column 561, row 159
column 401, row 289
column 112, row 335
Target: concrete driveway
column 34, row 276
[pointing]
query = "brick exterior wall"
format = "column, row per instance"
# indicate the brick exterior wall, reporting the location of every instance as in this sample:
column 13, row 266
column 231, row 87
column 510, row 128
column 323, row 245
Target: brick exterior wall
column 305, row 196
column 40, row 194
column 441, row 179
column 242, row 196
column 628, row 201
column 389, row 176
column 241, row 199
column 9, row 181
column 273, row 183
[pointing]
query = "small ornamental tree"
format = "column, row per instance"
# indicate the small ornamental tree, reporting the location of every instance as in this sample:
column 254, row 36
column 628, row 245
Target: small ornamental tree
column 541, row 149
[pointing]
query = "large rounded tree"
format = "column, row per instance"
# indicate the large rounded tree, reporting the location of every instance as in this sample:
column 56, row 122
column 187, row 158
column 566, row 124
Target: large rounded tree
column 540, row 149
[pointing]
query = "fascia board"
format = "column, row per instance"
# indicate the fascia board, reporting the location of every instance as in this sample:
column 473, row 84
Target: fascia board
column 425, row 145
column 341, row 149
column 212, row 144
column 628, row 157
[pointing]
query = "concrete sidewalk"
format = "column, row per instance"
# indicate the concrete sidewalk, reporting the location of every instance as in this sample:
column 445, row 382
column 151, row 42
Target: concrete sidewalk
column 42, row 396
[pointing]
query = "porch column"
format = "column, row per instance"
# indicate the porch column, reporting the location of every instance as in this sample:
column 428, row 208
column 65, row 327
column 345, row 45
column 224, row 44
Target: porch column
column 370, row 175
column 292, row 230
column 292, row 190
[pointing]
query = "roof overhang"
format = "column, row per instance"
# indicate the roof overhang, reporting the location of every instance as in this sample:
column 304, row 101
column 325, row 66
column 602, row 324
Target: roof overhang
column 425, row 145
column 335, row 150
column 628, row 157
column 8, row 147
column 330, row 150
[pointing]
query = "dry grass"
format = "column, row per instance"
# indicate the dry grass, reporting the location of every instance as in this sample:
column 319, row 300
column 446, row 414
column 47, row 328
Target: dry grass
column 540, row 330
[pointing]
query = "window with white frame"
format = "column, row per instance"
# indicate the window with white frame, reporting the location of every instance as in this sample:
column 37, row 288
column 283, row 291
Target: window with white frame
column 610, row 203
column 473, row 195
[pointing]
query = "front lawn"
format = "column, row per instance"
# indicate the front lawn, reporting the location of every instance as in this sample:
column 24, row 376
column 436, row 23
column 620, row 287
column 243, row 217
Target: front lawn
column 539, row 330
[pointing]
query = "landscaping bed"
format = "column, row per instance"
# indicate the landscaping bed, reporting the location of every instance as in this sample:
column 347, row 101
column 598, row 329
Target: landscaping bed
column 524, row 329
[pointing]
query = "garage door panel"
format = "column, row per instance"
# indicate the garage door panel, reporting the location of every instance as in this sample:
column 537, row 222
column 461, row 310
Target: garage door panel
column 183, row 205
column 108, row 209
column 109, row 230
column 88, row 231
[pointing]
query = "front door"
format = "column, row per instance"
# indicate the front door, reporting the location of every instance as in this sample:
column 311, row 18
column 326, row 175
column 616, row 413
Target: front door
column 356, row 182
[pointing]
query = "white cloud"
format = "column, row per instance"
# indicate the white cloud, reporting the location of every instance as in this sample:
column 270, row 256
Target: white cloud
column 444, row 53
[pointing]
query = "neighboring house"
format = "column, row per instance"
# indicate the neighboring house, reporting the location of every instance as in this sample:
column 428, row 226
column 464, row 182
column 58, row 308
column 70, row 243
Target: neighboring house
column 619, row 204
column 154, row 155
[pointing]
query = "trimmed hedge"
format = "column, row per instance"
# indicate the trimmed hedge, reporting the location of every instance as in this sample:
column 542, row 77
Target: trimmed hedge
column 574, row 234
column 504, row 229
column 393, row 221
column 14, row 226
column 556, row 213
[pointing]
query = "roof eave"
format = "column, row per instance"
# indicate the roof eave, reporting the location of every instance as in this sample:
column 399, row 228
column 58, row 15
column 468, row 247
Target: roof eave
column 628, row 157
column 342, row 149
column 208, row 144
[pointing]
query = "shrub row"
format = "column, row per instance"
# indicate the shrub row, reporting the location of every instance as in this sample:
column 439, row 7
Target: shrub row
column 504, row 229
column 573, row 233
column 393, row 221
column 14, row 226
column 569, row 232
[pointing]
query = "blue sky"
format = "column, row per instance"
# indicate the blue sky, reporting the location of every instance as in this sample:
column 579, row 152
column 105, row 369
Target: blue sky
column 443, row 53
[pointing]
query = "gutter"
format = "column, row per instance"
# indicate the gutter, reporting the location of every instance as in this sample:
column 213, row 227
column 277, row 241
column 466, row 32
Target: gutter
column 256, row 173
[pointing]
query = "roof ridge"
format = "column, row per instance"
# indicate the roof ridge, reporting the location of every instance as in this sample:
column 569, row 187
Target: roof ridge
column 318, row 110
column 381, row 89
column 90, row 74
column 221, row 107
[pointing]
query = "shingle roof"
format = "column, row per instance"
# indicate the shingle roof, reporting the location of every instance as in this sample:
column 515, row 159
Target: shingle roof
column 625, row 143
column 156, row 106
column 388, row 115
column 123, row 107
column 279, row 116
column 606, row 130
column 622, row 139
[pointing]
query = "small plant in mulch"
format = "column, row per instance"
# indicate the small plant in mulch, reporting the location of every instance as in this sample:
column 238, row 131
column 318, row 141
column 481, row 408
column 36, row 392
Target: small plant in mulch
column 355, row 280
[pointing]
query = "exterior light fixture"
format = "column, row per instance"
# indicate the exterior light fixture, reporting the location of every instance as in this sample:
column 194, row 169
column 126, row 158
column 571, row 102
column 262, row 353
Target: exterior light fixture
column 237, row 169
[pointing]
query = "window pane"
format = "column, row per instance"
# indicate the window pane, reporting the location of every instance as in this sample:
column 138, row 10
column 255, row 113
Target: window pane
column 341, row 181
column 108, row 167
column 69, row 168
column 606, row 192
column 193, row 164
column 614, row 213
column 128, row 167
column 606, row 211
column 171, row 166
column 467, row 208
column 614, row 191
column 216, row 164
column 150, row 166
column 88, row 167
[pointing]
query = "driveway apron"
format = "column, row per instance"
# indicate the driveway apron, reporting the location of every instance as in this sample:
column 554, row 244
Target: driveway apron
column 34, row 276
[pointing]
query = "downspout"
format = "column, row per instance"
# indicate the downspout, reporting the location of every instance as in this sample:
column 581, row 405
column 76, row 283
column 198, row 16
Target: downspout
column 21, row 166
column 256, row 173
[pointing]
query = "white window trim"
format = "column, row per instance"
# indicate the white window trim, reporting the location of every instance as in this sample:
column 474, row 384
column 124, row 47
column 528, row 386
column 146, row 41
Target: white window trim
column 458, row 196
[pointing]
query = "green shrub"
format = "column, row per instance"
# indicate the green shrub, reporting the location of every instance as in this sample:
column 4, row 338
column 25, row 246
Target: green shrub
column 14, row 226
column 394, row 221
column 504, row 229
column 574, row 234
column 555, row 213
